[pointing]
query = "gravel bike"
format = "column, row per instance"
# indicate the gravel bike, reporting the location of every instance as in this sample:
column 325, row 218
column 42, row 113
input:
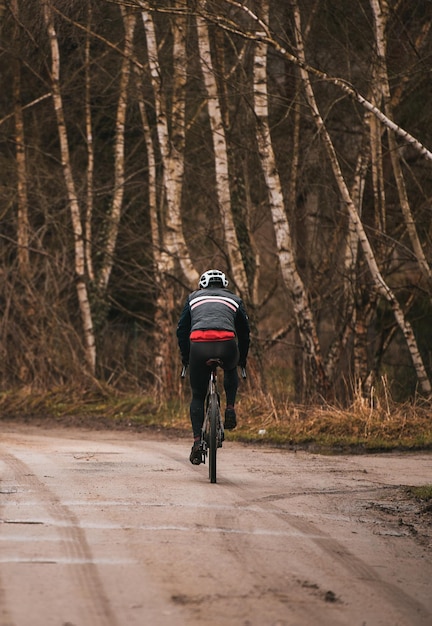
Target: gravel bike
column 212, row 432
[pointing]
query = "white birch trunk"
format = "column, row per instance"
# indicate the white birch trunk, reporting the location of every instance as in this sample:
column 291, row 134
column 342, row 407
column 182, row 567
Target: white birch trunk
column 380, row 12
column 221, row 160
column 83, row 299
column 129, row 21
column 163, row 266
column 380, row 285
column 88, row 235
column 172, row 145
column 21, row 166
column 292, row 279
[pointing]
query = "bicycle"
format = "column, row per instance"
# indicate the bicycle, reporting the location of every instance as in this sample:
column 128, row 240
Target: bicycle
column 212, row 431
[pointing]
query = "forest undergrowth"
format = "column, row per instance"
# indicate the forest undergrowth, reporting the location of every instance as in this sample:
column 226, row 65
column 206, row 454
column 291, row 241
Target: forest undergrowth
column 377, row 423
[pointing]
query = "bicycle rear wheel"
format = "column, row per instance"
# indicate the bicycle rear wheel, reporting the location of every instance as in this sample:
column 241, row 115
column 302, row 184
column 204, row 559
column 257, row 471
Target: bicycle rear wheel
column 213, row 409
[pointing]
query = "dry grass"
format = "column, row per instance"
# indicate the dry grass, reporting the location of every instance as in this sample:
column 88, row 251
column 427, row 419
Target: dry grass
column 406, row 426
column 376, row 423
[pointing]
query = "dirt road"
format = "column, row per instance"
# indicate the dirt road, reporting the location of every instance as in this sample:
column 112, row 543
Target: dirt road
column 112, row 529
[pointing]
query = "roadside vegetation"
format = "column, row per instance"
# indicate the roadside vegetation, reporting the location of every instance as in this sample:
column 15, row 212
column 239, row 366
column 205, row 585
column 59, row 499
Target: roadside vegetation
column 422, row 493
column 374, row 424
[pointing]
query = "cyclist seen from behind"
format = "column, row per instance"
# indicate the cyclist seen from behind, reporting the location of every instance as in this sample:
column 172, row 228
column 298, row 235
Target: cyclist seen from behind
column 212, row 325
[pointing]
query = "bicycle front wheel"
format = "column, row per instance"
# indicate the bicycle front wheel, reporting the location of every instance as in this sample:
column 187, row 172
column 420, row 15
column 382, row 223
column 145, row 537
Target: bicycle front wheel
column 213, row 409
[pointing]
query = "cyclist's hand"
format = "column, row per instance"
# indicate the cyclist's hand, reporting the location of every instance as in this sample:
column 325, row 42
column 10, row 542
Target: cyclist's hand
column 183, row 372
column 243, row 372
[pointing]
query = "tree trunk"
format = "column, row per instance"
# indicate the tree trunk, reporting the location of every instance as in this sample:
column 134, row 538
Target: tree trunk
column 291, row 277
column 129, row 20
column 380, row 12
column 81, row 285
column 22, row 198
column 172, row 144
column 221, row 161
column 379, row 283
column 88, row 234
column 23, row 227
column 162, row 344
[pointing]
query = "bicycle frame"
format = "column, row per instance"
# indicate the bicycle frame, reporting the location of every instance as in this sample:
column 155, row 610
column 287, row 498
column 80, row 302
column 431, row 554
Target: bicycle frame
column 212, row 433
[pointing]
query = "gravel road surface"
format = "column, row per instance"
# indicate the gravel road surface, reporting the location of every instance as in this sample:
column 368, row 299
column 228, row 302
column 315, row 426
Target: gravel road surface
column 119, row 529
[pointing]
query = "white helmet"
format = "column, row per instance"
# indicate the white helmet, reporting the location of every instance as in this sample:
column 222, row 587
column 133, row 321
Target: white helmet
column 212, row 276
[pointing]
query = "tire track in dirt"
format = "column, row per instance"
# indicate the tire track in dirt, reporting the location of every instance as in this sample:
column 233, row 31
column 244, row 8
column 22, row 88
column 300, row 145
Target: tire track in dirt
column 89, row 590
column 339, row 554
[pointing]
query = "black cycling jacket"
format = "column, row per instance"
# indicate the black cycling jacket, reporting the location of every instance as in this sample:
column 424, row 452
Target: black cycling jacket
column 214, row 308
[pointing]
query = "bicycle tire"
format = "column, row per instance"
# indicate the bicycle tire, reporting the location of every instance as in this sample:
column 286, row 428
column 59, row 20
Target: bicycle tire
column 213, row 435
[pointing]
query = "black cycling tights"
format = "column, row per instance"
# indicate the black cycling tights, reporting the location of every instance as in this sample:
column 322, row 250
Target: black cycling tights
column 199, row 373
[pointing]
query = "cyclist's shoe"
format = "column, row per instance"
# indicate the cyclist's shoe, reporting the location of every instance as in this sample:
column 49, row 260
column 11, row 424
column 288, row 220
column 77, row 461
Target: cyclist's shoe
column 196, row 454
column 230, row 418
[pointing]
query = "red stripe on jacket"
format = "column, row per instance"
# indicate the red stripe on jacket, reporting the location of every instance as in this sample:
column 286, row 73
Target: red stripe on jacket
column 211, row 335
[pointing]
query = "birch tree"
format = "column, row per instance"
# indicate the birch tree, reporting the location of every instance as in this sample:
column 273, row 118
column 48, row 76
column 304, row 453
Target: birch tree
column 169, row 244
column 380, row 10
column 84, row 267
column 162, row 341
column 23, row 227
column 129, row 20
column 291, row 277
column 89, row 204
column 378, row 280
column 171, row 144
column 80, row 267
column 221, row 160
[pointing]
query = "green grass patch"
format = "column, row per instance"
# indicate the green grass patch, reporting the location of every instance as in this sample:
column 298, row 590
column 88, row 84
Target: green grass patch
column 423, row 492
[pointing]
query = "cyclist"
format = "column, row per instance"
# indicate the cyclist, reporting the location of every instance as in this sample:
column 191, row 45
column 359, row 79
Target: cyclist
column 213, row 324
